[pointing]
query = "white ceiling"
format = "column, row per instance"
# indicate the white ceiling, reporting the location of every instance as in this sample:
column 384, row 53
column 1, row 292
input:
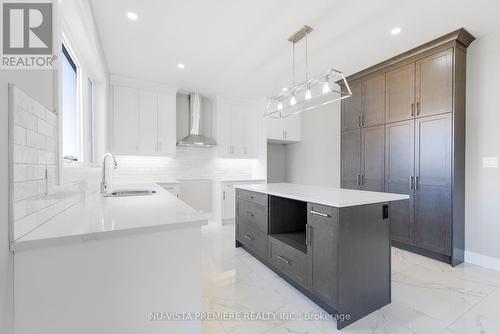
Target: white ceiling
column 240, row 47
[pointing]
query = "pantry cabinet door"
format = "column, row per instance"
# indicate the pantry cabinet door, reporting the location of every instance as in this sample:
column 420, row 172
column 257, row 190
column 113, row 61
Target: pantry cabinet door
column 400, row 93
column 435, row 84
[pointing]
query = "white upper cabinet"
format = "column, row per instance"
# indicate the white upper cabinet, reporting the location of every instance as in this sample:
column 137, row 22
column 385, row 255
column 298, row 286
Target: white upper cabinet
column 144, row 121
column 125, row 120
column 237, row 127
column 166, row 124
column 284, row 130
column 148, row 113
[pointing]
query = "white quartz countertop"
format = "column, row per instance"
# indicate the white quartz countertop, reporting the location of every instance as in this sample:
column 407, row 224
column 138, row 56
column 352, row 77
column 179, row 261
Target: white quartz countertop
column 101, row 217
column 336, row 197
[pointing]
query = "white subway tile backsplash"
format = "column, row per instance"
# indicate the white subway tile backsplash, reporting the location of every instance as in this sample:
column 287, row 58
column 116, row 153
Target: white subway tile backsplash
column 35, row 140
column 26, row 189
column 19, row 135
column 51, row 118
column 25, row 155
column 19, row 172
column 35, row 149
column 24, row 119
column 46, row 129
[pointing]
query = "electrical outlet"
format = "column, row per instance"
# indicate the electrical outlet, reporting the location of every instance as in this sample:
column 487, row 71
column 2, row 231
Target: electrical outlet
column 490, row 162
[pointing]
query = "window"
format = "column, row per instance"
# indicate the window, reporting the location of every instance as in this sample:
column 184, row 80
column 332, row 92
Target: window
column 70, row 114
column 90, row 123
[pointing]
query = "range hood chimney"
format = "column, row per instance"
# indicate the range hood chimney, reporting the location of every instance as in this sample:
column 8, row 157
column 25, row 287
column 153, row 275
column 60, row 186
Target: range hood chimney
column 195, row 138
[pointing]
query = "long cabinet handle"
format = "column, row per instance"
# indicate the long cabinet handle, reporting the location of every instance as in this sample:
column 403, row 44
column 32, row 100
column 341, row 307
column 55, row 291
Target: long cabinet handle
column 308, row 234
column 417, row 182
column 362, row 120
column 284, row 259
column 412, row 109
column 359, row 179
column 249, row 238
column 321, row 214
column 362, row 179
column 418, row 108
column 412, row 183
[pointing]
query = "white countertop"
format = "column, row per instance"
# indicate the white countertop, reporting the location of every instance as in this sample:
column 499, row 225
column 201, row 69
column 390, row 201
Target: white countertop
column 100, row 217
column 336, row 197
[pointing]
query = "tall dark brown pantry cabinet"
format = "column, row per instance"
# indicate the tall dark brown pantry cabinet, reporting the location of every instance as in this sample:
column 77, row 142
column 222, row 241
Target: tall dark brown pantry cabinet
column 403, row 131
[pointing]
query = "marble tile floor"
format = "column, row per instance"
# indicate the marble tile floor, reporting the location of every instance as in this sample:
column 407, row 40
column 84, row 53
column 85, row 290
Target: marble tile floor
column 427, row 296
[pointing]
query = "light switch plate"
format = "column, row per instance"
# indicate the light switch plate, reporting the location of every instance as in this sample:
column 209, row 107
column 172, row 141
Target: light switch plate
column 490, row 162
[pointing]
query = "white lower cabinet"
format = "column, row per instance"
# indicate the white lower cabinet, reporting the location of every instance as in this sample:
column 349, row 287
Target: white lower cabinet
column 284, row 130
column 225, row 199
column 237, row 127
column 172, row 188
column 144, row 121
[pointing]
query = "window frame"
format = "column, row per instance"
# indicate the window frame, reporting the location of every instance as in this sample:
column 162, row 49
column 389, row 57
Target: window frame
column 68, row 53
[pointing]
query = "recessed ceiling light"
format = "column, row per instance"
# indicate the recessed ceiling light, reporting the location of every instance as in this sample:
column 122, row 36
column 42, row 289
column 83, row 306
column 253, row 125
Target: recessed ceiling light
column 396, row 30
column 133, row 16
column 180, row 65
column 284, row 89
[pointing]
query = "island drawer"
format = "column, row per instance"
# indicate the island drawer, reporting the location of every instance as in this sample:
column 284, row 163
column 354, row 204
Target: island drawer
column 255, row 214
column 251, row 196
column 322, row 212
column 288, row 260
column 253, row 239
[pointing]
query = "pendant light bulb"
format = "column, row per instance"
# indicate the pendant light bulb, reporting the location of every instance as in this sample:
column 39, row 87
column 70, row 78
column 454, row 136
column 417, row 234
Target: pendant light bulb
column 280, row 105
column 308, row 94
column 292, row 100
column 326, row 87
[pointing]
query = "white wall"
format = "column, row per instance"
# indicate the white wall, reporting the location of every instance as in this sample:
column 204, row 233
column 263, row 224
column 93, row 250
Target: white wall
column 38, row 84
column 482, row 209
column 316, row 159
column 276, row 163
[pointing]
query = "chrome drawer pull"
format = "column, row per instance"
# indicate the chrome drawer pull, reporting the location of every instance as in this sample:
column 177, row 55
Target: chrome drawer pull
column 249, row 238
column 284, row 259
column 321, row 214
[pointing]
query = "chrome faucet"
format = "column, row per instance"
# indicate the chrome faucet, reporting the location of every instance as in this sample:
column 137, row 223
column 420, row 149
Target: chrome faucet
column 104, row 181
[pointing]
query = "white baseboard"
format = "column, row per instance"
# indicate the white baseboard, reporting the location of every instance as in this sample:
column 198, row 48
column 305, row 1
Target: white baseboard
column 482, row 260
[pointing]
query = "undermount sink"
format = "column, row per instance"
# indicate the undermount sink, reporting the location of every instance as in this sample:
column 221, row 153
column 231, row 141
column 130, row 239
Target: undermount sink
column 129, row 192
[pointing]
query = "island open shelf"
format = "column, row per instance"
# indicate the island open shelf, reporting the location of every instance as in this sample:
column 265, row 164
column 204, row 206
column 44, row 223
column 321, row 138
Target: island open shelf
column 288, row 221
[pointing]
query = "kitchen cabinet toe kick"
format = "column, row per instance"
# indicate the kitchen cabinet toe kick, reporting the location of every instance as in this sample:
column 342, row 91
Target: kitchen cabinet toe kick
column 339, row 257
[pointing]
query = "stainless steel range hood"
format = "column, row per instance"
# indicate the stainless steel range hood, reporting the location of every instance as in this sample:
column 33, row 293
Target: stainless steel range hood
column 195, row 138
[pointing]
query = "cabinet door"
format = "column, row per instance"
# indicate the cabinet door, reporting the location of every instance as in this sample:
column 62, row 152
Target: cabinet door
column 400, row 93
column 274, row 127
column 148, row 113
column 238, row 129
column 228, row 202
column 250, row 131
column 293, row 128
column 167, row 123
column 433, row 188
column 435, row 84
column 321, row 258
column 374, row 101
column 351, row 108
column 351, row 159
column 372, row 153
column 399, row 168
column 224, row 116
column 125, row 120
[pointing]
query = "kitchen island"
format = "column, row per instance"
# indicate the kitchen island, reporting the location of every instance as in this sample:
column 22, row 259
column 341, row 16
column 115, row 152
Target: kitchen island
column 331, row 244
column 111, row 265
